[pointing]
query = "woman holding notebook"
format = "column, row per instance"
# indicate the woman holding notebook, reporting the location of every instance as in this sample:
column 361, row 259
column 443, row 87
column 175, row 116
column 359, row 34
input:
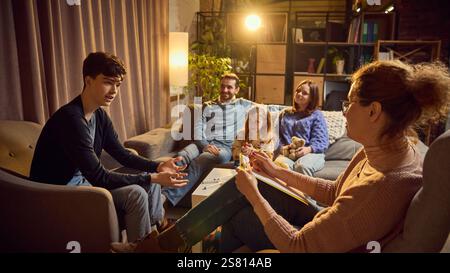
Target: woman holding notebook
column 367, row 202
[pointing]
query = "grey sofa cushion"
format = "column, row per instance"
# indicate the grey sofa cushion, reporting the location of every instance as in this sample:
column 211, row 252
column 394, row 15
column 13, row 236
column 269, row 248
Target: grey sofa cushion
column 339, row 154
column 343, row 149
column 332, row 169
column 152, row 144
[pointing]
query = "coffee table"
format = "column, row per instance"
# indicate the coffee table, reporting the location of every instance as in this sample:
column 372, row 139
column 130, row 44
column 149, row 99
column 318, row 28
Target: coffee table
column 213, row 181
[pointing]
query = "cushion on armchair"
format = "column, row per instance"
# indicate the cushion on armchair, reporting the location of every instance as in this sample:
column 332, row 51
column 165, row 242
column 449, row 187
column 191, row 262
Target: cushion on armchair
column 17, row 142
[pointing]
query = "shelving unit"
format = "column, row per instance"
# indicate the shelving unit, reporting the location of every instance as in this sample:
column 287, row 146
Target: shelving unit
column 410, row 51
column 332, row 31
column 275, row 58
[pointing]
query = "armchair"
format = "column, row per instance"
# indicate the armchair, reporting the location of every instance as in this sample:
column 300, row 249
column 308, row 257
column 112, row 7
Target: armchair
column 427, row 223
column 40, row 217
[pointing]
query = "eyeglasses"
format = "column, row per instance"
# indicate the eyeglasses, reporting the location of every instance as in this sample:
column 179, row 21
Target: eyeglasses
column 345, row 106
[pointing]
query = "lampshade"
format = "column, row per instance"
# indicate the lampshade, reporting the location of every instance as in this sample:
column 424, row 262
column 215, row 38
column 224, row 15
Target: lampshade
column 178, row 58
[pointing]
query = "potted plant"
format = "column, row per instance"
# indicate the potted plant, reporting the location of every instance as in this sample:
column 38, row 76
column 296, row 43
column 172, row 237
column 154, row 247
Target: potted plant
column 205, row 74
column 338, row 59
column 209, row 60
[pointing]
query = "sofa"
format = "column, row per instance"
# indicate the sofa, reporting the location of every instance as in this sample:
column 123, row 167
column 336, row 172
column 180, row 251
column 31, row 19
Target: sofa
column 39, row 217
column 159, row 144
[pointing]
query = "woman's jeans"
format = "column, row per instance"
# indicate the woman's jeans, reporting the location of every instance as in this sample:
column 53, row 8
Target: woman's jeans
column 227, row 207
column 307, row 164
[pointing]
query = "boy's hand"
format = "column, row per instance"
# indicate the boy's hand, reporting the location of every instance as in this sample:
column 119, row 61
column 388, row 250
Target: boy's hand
column 171, row 166
column 167, row 179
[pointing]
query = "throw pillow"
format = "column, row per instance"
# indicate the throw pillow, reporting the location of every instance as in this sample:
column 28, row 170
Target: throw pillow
column 335, row 124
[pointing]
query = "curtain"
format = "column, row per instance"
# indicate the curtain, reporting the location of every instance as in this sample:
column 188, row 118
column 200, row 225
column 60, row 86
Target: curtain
column 44, row 43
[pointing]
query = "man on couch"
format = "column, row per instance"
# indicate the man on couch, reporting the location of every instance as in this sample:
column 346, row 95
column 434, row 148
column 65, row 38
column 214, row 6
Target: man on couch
column 68, row 150
column 214, row 134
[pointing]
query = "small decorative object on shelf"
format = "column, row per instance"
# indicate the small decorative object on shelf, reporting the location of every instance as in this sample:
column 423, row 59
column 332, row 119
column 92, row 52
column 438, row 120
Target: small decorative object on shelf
column 311, row 68
column 340, row 66
column 297, row 34
column 338, row 58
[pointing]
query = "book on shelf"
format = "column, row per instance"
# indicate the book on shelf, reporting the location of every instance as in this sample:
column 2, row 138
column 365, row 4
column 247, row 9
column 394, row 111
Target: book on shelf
column 365, row 31
column 370, row 32
column 350, row 31
column 353, row 30
column 370, row 26
column 320, row 66
column 375, row 32
column 358, row 27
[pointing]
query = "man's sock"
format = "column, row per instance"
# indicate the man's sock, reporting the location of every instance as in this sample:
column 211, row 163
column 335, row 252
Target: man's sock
column 171, row 240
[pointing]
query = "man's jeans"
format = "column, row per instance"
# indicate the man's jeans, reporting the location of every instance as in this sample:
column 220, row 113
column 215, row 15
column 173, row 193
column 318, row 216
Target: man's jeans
column 141, row 207
column 229, row 208
column 307, row 164
column 198, row 164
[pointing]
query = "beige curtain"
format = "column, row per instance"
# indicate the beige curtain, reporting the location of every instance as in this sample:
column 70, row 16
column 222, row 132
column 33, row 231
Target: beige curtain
column 45, row 42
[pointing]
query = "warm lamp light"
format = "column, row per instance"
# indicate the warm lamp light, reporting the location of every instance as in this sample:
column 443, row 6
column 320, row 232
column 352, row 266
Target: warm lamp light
column 252, row 22
column 178, row 58
column 389, row 9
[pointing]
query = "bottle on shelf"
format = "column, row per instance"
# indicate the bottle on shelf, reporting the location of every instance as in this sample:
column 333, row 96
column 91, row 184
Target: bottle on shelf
column 311, row 68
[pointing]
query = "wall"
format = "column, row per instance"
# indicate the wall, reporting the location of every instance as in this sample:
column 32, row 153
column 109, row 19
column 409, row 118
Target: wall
column 182, row 15
column 425, row 20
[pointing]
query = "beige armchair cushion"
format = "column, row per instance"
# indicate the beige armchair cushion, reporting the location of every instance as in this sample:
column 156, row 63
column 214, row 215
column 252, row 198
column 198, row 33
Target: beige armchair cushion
column 17, row 142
